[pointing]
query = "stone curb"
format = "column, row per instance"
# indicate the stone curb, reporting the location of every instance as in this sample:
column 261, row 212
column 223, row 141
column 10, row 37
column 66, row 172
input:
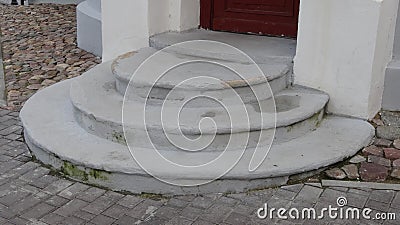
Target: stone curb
column 3, row 101
column 355, row 184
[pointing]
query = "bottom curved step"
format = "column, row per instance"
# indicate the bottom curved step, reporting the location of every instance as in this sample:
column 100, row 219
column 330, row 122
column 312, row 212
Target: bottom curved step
column 56, row 139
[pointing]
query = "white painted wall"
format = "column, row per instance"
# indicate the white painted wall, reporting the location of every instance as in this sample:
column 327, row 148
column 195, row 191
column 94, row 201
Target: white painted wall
column 125, row 26
column 343, row 49
column 128, row 24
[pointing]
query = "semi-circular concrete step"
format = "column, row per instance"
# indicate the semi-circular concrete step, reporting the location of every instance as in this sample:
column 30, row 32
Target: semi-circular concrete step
column 299, row 111
column 207, row 76
column 57, row 139
column 261, row 49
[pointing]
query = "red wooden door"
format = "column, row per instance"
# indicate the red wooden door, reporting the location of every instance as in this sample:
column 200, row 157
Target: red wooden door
column 267, row 17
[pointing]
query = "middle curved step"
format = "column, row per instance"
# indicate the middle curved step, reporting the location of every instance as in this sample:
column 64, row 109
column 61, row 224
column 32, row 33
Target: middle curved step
column 299, row 111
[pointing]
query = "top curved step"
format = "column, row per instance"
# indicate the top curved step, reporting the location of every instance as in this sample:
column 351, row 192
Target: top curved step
column 163, row 70
column 261, row 49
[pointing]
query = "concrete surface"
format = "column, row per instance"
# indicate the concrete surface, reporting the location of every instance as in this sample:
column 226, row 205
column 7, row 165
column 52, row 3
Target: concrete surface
column 89, row 26
column 345, row 137
column 343, row 49
column 391, row 91
column 295, row 106
column 261, row 49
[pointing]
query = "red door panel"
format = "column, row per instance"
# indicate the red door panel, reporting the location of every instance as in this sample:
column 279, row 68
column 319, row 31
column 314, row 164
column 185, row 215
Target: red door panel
column 267, row 17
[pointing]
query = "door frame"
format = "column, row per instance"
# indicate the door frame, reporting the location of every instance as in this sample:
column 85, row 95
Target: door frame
column 206, row 13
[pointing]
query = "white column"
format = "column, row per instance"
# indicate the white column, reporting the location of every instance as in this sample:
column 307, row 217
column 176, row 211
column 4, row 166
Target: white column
column 185, row 14
column 343, row 48
column 125, row 26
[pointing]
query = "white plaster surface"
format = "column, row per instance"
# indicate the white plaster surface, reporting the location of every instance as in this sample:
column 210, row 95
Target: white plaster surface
column 127, row 24
column 343, row 48
column 89, row 33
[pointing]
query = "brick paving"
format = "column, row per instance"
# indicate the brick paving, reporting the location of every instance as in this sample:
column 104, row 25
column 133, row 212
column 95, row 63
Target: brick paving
column 32, row 194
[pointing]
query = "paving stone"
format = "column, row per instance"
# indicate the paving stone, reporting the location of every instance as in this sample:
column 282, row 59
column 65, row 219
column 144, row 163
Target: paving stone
column 395, row 173
column 372, row 150
column 130, row 201
column 331, row 195
column 351, row 171
column 357, row 159
column 144, row 209
column 217, row 213
column 52, row 218
column 21, row 221
column 392, row 153
column 379, row 160
column 57, row 201
column 73, row 220
column 382, row 142
column 179, row 221
column 373, row 172
column 388, row 132
column 13, row 195
column 103, row 202
column 396, row 163
column 385, row 196
column 235, row 218
column 309, row 194
column 103, row 220
column 336, row 173
column 396, row 143
column 43, row 181
column 71, row 207
column 38, row 211
column 167, row 212
column 73, row 190
column 284, row 194
column 57, row 186
column 126, row 220
column 84, row 215
column 191, row 213
column 390, row 118
column 202, row 202
column 356, row 200
column 381, row 206
column 177, row 203
column 116, row 211
column 90, row 194
column 24, row 204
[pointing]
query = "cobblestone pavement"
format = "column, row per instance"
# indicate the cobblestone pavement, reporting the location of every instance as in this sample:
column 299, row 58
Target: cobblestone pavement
column 39, row 48
column 32, row 194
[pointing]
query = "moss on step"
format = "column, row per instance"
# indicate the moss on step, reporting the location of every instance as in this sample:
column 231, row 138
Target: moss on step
column 118, row 137
column 72, row 171
column 81, row 174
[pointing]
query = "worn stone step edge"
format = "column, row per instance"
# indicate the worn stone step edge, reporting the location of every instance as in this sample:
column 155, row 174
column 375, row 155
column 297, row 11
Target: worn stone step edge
column 261, row 49
column 123, row 68
column 49, row 125
column 105, row 120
